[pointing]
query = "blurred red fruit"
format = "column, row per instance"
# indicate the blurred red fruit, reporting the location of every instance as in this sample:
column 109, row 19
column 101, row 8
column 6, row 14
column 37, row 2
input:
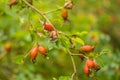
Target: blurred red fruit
column 33, row 52
column 48, row 27
column 87, row 48
column 86, row 70
column 90, row 63
column 42, row 50
column 7, row 47
column 64, row 14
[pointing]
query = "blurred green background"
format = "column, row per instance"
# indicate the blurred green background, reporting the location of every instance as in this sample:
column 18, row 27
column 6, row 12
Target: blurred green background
column 100, row 18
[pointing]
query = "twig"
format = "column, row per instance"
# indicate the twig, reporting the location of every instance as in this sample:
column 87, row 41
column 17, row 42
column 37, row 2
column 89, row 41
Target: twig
column 41, row 22
column 72, row 77
column 53, row 10
column 74, row 66
column 104, row 51
column 28, row 51
column 78, row 55
column 38, row 11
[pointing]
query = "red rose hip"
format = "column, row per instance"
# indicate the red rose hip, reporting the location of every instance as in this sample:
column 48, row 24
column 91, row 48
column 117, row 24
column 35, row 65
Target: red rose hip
column 87, row 48
column 42, row 50
column 64, row 14
column 86, row 70
column 48, row 27
column 33, row 52
column 7, row 47
column 90, row 63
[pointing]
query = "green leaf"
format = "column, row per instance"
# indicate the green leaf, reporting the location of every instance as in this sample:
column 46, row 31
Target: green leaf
column 64, row 78
column 81, row 33
column 64, row 42
column 18, row 59
column 78, row 40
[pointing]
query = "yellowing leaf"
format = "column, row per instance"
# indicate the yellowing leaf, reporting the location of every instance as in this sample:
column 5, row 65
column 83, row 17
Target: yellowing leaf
column 78, row 40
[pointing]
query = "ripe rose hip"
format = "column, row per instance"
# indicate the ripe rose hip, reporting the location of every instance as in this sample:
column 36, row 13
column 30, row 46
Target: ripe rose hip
column 90, row 63
column 7, row 47
column 42, row 50
column 64, row 14
column 87, row 48
column 86, row 70
column 33, row 53
column 48, row 27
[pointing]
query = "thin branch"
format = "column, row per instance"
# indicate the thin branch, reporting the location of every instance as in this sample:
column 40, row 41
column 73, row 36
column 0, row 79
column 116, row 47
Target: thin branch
column 53, row 10
column 41, row 22
column 74, row 66
column 37, row 10
column 104, row 51
column 72, row 77
column 28, row 51
column 78, row 55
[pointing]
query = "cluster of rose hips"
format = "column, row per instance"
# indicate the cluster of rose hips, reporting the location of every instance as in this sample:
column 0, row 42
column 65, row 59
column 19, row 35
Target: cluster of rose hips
column 52, row 32
column 90, row 63
column 34, row 51
column 49, row 27
column 41, row 49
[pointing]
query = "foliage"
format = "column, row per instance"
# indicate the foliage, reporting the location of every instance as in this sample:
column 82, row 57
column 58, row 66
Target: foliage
column 90, row 22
